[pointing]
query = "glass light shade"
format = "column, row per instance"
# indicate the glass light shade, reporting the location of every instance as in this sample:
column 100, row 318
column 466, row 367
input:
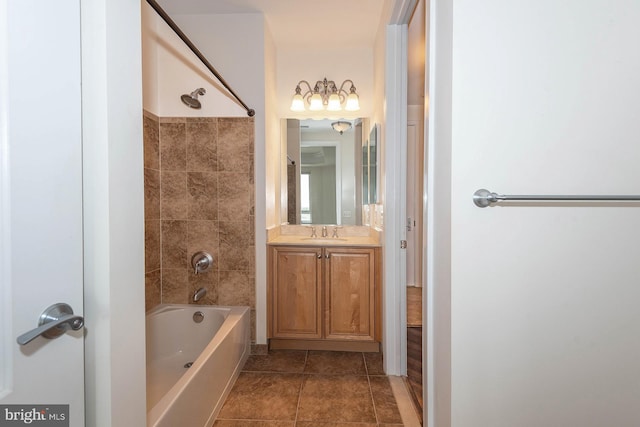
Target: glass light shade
column 297, row 103
column 334, row 103
column 353, row 102
column 315, row 103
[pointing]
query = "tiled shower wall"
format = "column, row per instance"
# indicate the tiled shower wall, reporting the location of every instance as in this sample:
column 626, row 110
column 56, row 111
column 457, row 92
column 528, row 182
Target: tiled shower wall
column 199, row 196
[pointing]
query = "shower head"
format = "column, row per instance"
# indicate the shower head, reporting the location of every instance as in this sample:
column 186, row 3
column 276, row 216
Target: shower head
column 192, row 99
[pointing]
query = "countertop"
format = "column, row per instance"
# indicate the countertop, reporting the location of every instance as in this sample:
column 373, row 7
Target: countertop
column 324, row 241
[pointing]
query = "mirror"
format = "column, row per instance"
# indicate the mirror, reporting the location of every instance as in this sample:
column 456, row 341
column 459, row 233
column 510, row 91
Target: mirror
column 325, row 171
column 369, row 164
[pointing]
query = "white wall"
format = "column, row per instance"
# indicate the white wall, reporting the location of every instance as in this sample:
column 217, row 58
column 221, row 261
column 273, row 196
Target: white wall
column 334, row 63
column 113, row 213
column 269, row 208
column 545, row 319
column 171, row 69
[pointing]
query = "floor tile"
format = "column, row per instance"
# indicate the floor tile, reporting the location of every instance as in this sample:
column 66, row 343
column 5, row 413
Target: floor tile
column 384, row 400
column 335, row 363
column 330, row 398
column 277, row 361
column 263, row 396
column 249, row 423
column 374, row 363
column 319, row 424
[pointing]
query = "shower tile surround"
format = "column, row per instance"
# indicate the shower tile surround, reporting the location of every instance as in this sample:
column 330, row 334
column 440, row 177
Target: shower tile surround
column 199, row 195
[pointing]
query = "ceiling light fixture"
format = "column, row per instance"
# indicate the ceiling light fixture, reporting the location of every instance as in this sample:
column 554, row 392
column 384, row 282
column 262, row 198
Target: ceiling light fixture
column 341, row 126
column 325, row 95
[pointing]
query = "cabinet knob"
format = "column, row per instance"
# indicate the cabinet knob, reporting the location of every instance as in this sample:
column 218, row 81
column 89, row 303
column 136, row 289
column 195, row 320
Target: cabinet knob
column 326, row 256
column 319, row 256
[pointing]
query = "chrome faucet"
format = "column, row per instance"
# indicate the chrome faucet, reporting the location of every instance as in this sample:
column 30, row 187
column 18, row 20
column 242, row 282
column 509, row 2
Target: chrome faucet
column 201, row 262
column 324, row 231
column 199, row 294
column 335, row 232
column 313, row 232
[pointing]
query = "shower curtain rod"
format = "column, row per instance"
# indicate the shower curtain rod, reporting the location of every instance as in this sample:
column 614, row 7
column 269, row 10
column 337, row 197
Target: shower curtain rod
column 250, row 111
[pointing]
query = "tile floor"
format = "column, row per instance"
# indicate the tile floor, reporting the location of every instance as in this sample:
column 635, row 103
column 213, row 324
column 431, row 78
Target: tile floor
column 288, row 388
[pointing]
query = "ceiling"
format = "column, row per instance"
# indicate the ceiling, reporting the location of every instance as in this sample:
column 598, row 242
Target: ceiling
column 299, row 23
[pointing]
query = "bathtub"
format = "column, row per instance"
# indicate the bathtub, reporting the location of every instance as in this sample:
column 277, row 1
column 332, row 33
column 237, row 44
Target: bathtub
column 191, row 366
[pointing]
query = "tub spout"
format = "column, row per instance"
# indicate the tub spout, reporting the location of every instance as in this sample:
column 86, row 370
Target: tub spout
column 199, row 294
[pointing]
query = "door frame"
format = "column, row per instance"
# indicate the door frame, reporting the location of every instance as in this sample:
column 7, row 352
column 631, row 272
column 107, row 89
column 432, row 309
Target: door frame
column 5, row 236
column 113, row 209
column 436, row 263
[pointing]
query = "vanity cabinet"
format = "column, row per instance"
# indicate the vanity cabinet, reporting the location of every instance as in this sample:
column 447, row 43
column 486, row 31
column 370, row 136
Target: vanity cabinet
column 324, row 297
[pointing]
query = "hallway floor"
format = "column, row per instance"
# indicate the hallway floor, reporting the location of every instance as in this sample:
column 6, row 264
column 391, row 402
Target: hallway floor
column 314, row 389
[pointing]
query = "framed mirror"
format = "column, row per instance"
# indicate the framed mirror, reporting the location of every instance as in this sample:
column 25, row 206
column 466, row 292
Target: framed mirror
column 324, row 171
column 373, row 169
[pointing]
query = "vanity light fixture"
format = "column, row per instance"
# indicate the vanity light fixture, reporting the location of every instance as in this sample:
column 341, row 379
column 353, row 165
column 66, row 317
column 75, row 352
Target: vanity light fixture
column 341, row 126
column 325, row 95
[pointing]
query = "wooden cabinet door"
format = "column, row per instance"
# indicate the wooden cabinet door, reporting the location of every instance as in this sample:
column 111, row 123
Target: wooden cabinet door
column 297, row 292
column 349, row 294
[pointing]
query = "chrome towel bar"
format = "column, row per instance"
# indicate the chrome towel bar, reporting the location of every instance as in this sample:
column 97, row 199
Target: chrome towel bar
column 483, row 198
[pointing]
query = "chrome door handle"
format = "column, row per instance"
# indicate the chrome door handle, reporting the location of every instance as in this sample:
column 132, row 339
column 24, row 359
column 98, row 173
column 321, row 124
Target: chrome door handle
column 54, row 321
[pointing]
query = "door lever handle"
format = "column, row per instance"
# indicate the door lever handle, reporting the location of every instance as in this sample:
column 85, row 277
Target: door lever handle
column 54, row 321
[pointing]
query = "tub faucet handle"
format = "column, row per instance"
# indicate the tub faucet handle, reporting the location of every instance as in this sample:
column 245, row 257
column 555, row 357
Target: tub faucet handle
column 201, row 262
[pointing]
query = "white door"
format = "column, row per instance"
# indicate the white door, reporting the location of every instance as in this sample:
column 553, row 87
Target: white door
column 40, row 202
column 544, row 296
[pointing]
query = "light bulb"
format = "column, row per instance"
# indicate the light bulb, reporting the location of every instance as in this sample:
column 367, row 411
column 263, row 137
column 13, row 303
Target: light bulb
column 334, row 103
column 315, row 103
column 297, row 103
column 353, row 102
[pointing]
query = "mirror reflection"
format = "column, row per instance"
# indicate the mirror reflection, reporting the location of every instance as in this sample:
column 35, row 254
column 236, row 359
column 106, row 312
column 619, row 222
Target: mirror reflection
column 324, row 171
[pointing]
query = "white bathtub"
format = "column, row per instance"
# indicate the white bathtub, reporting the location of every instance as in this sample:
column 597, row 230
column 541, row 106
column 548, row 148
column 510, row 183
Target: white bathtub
column 218, row 348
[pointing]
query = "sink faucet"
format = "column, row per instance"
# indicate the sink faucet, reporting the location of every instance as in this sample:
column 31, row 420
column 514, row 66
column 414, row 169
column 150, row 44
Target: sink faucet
column 313, row 232
column 335, row 232
column 324, row 231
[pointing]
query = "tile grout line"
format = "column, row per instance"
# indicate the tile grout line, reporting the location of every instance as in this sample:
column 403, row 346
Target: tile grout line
column 306, row 357
column 373, row 401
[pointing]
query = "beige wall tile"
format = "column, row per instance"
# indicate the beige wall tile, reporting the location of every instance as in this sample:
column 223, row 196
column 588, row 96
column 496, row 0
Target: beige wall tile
column 202, row 201
column 151, row 144
column 236, row 288
column 235, row 144
column 174, row 244
column 234, row 191
column 151, row 245
column 173, row 195
column 183, row 189
column 209, row 281
column 203, row 236
column 175, row 286
column 151, row 194
column 152, row 292
column 173, row 146
column 202, row 144
column 235, row 246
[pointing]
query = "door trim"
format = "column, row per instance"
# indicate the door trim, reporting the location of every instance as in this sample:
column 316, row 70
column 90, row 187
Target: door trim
column 6, row 380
